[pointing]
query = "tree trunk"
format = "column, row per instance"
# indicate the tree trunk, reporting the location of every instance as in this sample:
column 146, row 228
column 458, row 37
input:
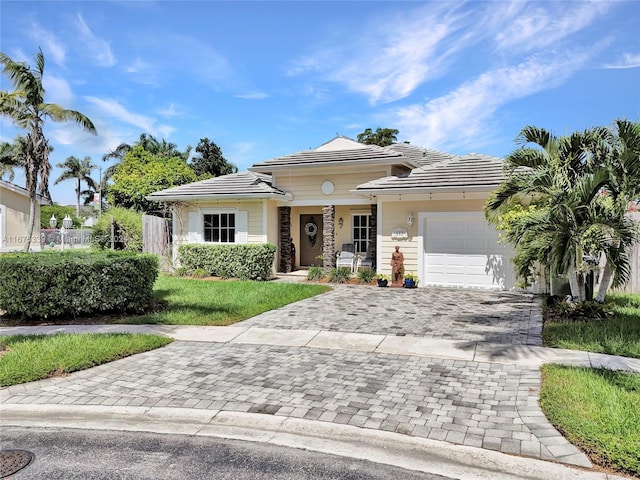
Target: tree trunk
column 605, row 281
column 573, row 283
column 32, row 221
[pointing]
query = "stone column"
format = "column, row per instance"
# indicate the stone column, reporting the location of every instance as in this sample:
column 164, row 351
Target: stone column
column 328, row 241
column 373, row 235
column 284, row 220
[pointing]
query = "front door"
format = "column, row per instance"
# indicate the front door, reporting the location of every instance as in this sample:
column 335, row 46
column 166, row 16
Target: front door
column 310, row 240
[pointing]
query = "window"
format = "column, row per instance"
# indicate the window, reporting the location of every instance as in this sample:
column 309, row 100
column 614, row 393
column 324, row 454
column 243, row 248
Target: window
column 220, row 227
column 361, row 232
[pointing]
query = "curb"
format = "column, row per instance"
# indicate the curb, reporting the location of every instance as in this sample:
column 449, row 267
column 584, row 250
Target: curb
column 418, row 454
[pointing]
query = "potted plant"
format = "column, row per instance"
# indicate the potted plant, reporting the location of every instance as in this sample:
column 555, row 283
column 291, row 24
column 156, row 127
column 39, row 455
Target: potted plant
column 382, row 279
column 410, row 280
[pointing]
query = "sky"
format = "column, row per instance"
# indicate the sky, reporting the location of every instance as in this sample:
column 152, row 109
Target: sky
column 264, row 79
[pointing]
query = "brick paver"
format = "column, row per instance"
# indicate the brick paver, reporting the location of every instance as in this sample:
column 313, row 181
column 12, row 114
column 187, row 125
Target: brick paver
column 480, row 404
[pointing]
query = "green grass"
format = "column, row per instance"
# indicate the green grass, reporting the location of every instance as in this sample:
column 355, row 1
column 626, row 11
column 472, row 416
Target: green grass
column 26, row 358
column 205, row 302
column 597, row 410
column 618, row 334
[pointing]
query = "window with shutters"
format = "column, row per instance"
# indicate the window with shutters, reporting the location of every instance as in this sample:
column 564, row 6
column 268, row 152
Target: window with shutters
column 219, row 228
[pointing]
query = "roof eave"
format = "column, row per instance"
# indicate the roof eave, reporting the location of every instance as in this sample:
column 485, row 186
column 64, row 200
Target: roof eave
column 230, row 196
column 346, row 163
column 408, row 190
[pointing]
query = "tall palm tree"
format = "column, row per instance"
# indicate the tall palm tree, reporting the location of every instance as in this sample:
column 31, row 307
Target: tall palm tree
column 27, row 108
column 80, row 171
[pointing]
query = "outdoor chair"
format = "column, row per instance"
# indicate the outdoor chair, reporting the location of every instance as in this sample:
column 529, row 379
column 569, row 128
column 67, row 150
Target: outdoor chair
column 346, row 259
column 364, row 261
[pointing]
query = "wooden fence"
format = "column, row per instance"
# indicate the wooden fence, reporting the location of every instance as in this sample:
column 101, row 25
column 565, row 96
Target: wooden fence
column 156, row 238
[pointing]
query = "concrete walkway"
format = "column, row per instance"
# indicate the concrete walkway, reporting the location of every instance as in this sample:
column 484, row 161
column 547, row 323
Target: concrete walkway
column 455, row 367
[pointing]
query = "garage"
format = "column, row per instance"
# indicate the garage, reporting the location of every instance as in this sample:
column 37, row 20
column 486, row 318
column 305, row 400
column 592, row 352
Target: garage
column 460, row 249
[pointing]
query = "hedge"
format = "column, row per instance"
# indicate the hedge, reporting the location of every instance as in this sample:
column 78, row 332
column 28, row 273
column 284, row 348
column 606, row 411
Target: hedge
column 56, row 284
column 247, row 262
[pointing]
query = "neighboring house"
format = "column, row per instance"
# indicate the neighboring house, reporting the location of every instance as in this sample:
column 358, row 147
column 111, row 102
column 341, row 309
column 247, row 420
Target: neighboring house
column 14, row 218
column 429, row 203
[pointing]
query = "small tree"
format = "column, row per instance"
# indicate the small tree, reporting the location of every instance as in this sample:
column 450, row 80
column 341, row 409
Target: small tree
column 210, row 162
column 383, row 137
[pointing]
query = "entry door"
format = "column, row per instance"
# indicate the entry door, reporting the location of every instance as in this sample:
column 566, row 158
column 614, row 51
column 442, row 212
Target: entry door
column 310, row 240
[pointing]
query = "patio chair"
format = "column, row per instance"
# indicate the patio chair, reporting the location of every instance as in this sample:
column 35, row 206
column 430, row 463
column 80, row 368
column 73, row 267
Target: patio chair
column 364, row 261
column 346, row 259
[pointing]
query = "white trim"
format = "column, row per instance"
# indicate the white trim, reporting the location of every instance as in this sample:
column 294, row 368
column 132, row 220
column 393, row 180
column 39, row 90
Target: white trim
column 328, row 201
column 379, row 236
column 265, row 228
column 3, row 226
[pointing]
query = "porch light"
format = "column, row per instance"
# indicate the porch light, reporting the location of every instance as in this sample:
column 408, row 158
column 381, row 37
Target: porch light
column 410, row 219
column 340, row 222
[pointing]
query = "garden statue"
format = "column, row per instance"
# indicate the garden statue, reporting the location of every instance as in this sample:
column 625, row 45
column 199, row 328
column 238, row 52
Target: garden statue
column 397, row 266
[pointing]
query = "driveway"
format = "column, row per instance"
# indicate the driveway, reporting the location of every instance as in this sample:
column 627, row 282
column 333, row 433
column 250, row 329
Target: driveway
column 467, row 402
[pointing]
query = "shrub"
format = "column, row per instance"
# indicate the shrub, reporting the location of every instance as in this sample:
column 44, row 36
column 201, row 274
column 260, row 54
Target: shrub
column 315, row 273
column 366, row 275
column 247, row 262
column 55, row 284
column 127, row 230
column 339, row 275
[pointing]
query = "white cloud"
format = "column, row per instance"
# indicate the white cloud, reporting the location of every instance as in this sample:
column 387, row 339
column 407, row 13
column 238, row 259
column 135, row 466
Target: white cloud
column 113, row 109
column 530, row 26
column 97, row 48
column 169, row 111
column 58, row 91
column 389, row 60
column 252, row 95
column 52, row 47
column 462, row 117
column 628, row 60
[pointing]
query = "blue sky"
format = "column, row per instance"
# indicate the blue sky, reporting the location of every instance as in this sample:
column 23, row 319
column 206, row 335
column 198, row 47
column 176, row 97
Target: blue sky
column 263, row 79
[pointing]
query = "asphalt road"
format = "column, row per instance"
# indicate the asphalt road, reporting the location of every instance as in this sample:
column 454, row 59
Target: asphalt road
column 95, row 455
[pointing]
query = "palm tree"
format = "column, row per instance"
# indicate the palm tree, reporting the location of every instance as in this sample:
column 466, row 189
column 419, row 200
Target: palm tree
column 621, row 156
column 8, row 160
column 563, row 177
column 80, row 171
column 27, row 108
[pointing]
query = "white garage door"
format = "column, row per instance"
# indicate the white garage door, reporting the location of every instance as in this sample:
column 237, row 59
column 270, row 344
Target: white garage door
column 462, row 250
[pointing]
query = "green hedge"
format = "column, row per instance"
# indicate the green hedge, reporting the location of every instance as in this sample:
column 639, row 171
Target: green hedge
column 247, row 262
column 56, row 284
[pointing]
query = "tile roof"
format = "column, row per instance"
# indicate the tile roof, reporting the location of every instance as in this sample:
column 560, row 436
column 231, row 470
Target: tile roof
column 422, row 156
column 243, row 184
column 339, row 151
column 474, row 171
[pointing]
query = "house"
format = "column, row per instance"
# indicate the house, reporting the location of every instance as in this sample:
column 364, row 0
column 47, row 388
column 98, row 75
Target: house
column 14, row 218
column 428, row 203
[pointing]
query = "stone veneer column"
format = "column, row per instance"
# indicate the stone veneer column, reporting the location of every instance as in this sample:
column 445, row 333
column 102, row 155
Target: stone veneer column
column 373, row 235
column 284, row 220
column 328, row 242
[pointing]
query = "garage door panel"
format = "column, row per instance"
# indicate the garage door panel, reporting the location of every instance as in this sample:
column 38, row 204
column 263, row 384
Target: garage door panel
column 462, row 250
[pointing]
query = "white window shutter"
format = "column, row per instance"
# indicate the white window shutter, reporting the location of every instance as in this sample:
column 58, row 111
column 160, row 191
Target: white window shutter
column 195, row 227
column 242, row 235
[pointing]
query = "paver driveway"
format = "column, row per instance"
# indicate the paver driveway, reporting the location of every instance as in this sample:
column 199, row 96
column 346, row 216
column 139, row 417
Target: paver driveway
column 480, row 404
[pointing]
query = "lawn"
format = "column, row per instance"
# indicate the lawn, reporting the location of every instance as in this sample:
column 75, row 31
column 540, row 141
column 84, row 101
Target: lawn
column 25, row 358
column 618, row 334
column 597, row 410
column 205, row 302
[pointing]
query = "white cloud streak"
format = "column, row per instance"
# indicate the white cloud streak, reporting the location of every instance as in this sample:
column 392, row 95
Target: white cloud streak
column 627, row 60
column 51, row 45
column 461, row 117
column 113, row 109
column 96, row 48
